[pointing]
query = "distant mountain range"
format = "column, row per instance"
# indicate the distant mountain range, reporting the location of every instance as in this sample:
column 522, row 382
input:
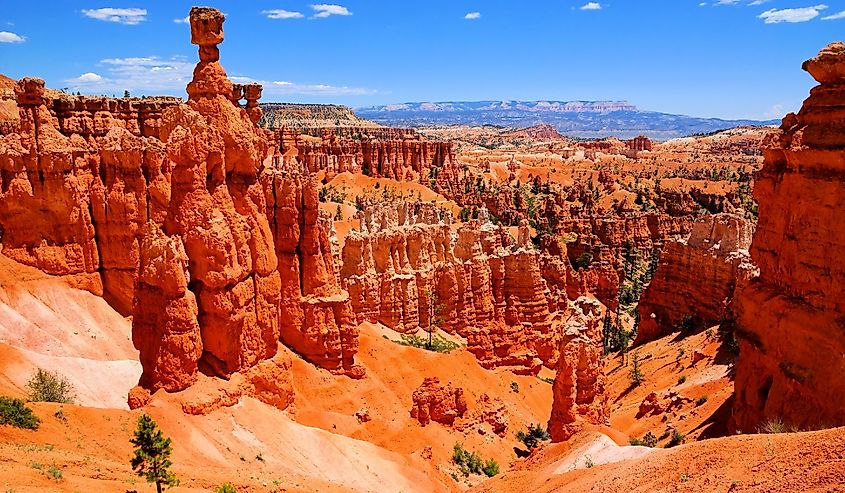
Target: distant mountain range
column 585, row 119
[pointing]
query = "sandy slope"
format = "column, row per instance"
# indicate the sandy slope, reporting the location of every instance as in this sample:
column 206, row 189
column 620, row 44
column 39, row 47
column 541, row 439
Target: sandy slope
column 46, row 323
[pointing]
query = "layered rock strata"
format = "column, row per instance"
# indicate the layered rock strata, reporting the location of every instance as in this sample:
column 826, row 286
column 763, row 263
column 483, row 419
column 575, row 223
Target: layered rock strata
column 407, row 269
column 579, row 389
column 695, row 279
column 217, row 256
column 790, row 318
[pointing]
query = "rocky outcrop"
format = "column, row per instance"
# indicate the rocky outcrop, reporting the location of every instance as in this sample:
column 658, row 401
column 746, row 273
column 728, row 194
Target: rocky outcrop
column 440, row 403
column 695, row 279
column 216, row 256
column 488, row 410
column 579, row 393
column 409, row 268
column 405, row 157
column 789, row 319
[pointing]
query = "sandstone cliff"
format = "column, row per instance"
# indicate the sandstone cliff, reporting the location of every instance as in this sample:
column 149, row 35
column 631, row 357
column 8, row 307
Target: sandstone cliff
column 695, row 279
column 174, row 217
column 401, row 266
column 790, row 318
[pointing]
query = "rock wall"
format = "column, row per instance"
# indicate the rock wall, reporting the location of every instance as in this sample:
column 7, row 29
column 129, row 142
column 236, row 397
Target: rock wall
column 216, row 256
column 695, row 279
column 789, row 319
column 489, row 289
column 386, row 153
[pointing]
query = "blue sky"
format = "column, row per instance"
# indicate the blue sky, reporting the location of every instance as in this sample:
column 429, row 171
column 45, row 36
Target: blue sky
column 720, row 58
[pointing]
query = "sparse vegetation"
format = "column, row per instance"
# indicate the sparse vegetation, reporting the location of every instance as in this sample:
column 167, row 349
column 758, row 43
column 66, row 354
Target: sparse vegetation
column 648, row 440
column 14, row 412
column 682, row 379
column 226, row 488
column 772, row 426
column 54, row 473
column 588, row 462
column 701, row 400
column 536, row 434
column 152, row 454
column 676, row 438
column 583, row 261
column 514, row 387
column 491, row 468
column 437, row 344
column 472, row 463
column 46, row 386
column 636, row 374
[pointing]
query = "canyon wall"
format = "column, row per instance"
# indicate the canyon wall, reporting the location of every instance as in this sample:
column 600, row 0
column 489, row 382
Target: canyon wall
column 695, row 279
column 387, row 153
column 790, row 319
column 216, row 256
column 405, row 264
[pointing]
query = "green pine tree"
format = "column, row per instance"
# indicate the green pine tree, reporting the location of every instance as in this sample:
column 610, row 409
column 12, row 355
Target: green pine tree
column 152, row 454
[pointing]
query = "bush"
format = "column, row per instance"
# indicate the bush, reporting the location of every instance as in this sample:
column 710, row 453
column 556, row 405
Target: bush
column 648, row 440
column 45, row 386
column 514, row 387
column 676, row 438
column 583, row 261
column 701, row 400
column 438, row 344
column 536, row 434
column 491, row 468
column 772, row 426
column 225, row 488
column 472, row 463
column 682, row 379
column 14, row 412
column 54, row 473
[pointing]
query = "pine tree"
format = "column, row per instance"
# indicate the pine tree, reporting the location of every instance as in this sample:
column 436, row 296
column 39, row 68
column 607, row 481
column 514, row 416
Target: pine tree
column 152, row 454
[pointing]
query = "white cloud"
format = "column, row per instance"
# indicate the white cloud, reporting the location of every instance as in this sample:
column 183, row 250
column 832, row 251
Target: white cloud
column 472, row 16
column 7, row 37
column 285, row 87
column 141, row 75
column 121, row 16
column 591, row 6
column 155, row 75
column 324, row 10
column 803, row 14
column 87, row 78
column 758, row 2
column 840, row 15
column 282, row 14
column 726, row 2
column 183, row 20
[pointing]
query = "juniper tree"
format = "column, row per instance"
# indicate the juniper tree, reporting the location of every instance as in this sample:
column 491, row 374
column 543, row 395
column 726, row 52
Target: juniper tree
column 152, row 454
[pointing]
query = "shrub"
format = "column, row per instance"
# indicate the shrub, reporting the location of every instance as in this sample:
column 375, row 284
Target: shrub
column 514, row 387
column 682, row 379
column 491, row 468
column 583, row 261
column 536, row 433
column 45, row 386
column 225, row 488
column 772, row 426
column 14, row 412
column 648, row 440
column 676, row 438
column 588, row 462
column 701, row 400
column 438, row 344
column 54, row 473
